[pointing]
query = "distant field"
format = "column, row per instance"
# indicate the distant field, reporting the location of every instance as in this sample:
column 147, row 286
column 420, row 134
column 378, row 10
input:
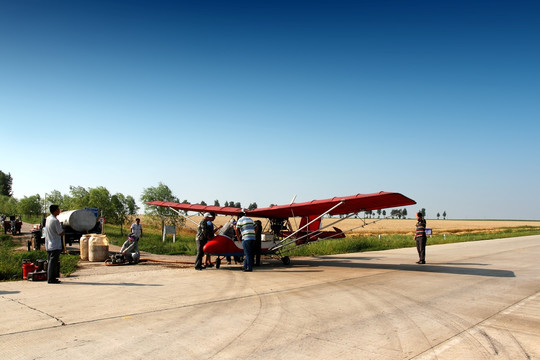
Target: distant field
column 406, row 226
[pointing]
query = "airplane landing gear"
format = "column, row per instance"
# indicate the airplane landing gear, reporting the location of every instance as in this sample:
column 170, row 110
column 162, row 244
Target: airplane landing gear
column 218, row 262
column 286, row 260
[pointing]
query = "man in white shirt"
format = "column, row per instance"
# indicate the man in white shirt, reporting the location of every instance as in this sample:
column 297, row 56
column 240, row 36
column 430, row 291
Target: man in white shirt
column 53, row 244
column 136, row 228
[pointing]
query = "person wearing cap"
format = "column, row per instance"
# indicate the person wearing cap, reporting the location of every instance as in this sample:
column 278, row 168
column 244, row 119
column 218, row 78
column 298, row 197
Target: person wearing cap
column 211, row 232
column 245, row 229
column 130, row 249
column 203, row 235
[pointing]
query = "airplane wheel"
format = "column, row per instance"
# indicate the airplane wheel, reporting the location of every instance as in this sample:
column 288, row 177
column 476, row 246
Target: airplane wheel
column 218, row 263
column 286, row 260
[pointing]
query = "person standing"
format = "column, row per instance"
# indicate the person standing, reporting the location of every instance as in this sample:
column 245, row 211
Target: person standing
column 420, row 238
column 258, row 240
column 53, row 244
column 245, row 229
column 202, row 237
column 136, row 228
column 211, row 232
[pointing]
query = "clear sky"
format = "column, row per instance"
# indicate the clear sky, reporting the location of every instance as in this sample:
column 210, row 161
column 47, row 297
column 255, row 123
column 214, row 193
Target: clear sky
column 258, row 101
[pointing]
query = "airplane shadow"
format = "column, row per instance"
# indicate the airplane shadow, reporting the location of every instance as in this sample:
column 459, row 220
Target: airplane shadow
column 107, row 284
column 444, row 268
column 9, row 292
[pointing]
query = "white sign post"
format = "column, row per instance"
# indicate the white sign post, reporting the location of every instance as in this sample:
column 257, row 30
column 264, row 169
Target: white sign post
column 169, row 229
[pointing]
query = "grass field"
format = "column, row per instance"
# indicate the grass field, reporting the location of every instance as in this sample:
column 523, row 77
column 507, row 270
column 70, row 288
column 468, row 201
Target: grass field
column 11, row 260
column 407, row 226
column 375, row 235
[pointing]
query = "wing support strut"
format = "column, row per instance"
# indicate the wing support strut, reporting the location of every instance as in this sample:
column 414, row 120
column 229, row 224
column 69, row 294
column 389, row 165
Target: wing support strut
column 354, row 228
column 284, row 242
column 185, row 217
column 316, row 233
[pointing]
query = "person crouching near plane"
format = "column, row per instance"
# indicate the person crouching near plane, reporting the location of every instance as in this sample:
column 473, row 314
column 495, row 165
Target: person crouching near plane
column 202, row 237
column 421, row 238
column 130, row 249
column 245, row 229
column 228, row 231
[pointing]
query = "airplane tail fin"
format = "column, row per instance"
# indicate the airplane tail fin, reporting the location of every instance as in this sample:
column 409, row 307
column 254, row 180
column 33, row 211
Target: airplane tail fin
column 314, row 226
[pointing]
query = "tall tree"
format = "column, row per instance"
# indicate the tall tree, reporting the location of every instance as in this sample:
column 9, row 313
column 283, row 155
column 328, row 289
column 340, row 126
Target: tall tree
column 78, row 198
column 444, row 215
column 216, row 203
column 160, row 193
column 30, row 205
column 100, row 198
column 5, row 184
column 56, row 197
column 8, row 205
column 123, row 207
column 131, row 205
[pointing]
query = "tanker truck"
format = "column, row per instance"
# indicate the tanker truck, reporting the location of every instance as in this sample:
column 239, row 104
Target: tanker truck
column 77, row 223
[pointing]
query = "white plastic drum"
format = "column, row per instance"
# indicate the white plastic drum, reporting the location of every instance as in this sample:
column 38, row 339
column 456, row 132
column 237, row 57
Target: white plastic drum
column 98, row 248
column 83, row 246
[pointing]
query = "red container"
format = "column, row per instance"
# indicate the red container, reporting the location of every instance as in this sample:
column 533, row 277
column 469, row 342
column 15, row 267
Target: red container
column 27, row 267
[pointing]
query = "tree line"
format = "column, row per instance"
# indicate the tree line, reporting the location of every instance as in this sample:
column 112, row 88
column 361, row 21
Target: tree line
column 115, row 208
column 119, row 208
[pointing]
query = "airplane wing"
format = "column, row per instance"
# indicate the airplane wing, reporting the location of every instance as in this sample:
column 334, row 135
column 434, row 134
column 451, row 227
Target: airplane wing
column 222, row 210
column 340, row 205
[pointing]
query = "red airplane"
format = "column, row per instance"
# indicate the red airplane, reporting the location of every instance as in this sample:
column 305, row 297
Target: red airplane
column 278, row 232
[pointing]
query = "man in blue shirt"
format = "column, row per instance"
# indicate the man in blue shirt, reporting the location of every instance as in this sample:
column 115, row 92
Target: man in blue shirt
column 245, row 229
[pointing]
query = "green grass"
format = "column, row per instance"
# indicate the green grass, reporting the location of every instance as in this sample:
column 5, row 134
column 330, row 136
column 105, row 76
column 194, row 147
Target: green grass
column 185, row 245
column 152, row 241
column 11, row 261
column 373, row 243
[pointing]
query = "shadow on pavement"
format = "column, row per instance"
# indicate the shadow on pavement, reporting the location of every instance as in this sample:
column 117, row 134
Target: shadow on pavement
column 447, row 268
column 106, row 284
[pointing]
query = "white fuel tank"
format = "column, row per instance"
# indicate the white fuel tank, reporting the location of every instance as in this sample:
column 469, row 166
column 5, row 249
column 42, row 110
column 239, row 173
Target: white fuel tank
column 79, row 220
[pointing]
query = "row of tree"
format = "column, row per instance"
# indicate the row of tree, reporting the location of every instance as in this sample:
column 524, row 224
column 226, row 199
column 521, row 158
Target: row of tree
column 119, row 208
column 233, row 204
column 116, row 208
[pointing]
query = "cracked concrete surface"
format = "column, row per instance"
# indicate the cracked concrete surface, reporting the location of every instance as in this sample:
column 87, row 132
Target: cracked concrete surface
column 476, row 300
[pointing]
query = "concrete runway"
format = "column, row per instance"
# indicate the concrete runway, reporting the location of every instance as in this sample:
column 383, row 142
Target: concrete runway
column 477, row 300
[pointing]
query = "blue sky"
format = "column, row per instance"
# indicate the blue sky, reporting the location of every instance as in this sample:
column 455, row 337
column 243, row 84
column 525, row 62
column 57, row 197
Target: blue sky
column 259, row 101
